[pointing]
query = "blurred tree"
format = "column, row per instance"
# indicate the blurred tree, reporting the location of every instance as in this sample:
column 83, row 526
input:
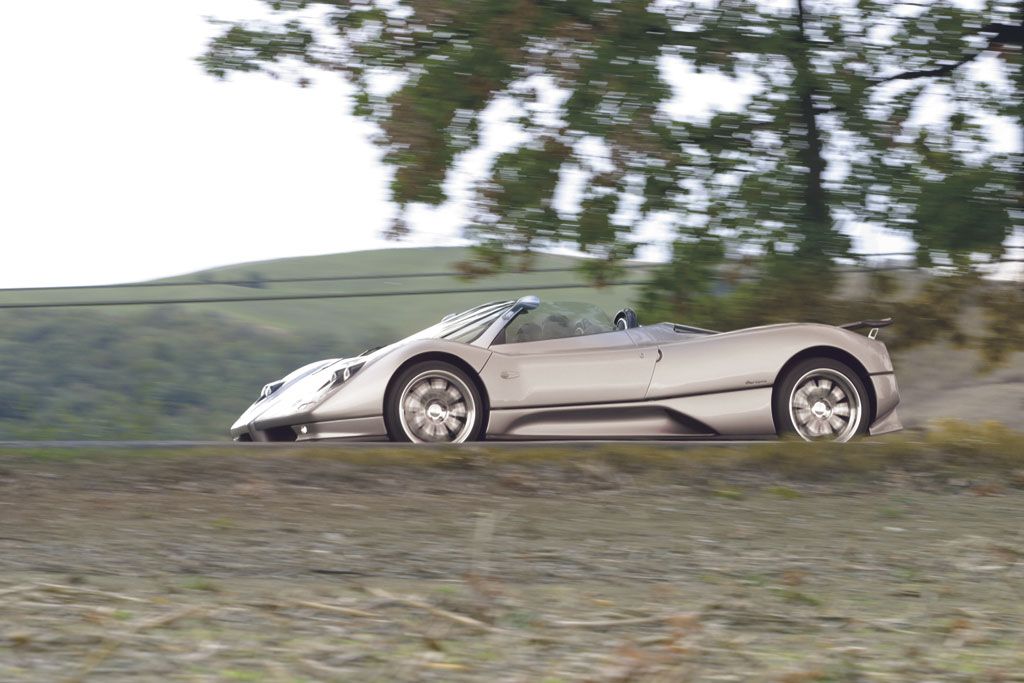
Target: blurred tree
column 164, row 373
column 772, row 176
column 945, row 77
column 955, row 191
column 451, row 59
column 830, row 143
column 840, row 130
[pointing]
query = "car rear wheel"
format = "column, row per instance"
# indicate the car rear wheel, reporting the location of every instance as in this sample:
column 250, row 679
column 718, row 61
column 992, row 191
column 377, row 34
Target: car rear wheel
column 821, row 399
column 434, row 402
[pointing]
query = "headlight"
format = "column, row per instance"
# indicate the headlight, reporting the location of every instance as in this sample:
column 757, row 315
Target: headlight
column 337, row 378
column 343, row 375
column 268, row 389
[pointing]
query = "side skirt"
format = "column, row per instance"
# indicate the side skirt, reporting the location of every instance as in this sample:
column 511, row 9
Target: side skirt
column 352, row 429
column 746, row 414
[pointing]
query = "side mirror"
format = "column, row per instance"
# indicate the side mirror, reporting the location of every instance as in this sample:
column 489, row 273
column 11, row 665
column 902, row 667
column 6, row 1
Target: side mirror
column 528, row 303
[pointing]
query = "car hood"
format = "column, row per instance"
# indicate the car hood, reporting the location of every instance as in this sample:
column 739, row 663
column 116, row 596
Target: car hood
column 302, row 385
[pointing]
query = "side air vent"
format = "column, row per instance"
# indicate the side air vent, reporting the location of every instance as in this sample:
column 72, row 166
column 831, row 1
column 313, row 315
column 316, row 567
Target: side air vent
column 280, row 434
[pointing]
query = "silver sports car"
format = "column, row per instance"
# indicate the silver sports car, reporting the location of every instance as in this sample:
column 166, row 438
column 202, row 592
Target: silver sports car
column 530, row 370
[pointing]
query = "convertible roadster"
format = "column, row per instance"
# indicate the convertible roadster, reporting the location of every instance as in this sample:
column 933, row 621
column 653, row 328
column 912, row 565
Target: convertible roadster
column 530, row 370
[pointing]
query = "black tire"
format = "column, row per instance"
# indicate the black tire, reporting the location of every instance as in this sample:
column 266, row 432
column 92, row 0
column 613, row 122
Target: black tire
column 792, row 419
column 402, row 423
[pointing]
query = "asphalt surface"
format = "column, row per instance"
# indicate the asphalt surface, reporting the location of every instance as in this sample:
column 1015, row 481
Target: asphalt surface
column 358, row 444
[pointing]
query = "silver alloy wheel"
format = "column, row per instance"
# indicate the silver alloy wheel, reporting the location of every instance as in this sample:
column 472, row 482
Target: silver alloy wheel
column 436, row 407
column 824, row 405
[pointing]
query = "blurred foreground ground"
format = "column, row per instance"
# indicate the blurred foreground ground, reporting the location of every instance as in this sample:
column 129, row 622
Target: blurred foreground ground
column 895, row 560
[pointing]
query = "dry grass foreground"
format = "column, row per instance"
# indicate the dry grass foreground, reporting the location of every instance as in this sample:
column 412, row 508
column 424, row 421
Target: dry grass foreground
column 899, row 559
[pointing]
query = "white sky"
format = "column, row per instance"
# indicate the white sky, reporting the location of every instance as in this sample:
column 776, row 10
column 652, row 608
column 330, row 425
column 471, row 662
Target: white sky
column 120, row 160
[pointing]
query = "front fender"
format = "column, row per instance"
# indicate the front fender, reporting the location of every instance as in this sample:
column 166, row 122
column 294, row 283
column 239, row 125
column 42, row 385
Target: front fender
column 363, row 395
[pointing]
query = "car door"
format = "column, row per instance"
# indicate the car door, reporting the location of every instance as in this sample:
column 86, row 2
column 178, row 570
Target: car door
column 692, row 364
column 608, row 367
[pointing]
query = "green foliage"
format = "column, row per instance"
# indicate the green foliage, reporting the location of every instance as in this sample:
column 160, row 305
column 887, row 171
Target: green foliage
column 683, row 289
column 826, row 143
column 245, row 49
column 768, row 193
column 454, row 59
column 162, row 374
column 523, row 182
column 947, row 187
column 963, row 212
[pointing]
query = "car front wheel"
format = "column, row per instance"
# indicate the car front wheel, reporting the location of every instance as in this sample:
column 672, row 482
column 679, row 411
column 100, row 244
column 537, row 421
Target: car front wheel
column 821, row 399
column 434, row 402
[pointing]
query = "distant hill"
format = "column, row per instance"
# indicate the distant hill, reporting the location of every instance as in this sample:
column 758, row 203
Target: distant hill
column 354, row 322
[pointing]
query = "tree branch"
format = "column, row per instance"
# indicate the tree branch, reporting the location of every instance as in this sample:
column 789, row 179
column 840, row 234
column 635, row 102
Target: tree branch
column 1005, row 34
column 929, row 73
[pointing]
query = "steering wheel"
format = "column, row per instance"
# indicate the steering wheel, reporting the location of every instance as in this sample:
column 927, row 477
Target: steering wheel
column 626, row 319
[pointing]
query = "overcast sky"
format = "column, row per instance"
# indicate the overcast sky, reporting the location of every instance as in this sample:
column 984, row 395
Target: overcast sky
column 120, row 160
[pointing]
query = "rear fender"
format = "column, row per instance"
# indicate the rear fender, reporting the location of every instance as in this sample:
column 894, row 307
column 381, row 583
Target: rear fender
column 753, row 358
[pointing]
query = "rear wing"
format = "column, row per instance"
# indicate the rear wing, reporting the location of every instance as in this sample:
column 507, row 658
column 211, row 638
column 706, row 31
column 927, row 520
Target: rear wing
column 875, row 325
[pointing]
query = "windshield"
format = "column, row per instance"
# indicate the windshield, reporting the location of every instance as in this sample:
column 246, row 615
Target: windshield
column 557, row 320
column 465, row 327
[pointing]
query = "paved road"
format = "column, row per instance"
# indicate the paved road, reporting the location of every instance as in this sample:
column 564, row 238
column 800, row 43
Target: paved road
column 347, row 444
